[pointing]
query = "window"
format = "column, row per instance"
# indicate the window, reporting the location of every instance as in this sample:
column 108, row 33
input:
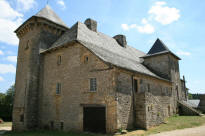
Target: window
column 58, row 88
column 22, row 118
column 136, row 85
column 148, row 87
column 86, row 59
column 59, row 60
column 61, row 126
column 52, row 124
column 27, row 45
column 93, row 85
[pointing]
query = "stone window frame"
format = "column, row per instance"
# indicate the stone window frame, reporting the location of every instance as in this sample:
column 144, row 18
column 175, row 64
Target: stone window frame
column 138, row 84
column 91, row 89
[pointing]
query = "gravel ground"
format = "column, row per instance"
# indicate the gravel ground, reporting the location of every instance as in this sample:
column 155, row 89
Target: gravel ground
column 197, row 131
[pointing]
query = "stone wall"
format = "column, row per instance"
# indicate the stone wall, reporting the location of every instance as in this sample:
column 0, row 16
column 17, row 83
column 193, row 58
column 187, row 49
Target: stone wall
column 77, row 67
column 152, row 104
column 125, row 100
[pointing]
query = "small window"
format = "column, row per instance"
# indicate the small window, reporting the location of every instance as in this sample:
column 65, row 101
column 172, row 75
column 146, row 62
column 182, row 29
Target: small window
column 86, row 59
column 58, row 88
column 52, row 124
column 62, row 126
column 136, row 85
column 59, row 60
column 27, row 45
column 93, row 85
column 22, row 118
column 148, row 87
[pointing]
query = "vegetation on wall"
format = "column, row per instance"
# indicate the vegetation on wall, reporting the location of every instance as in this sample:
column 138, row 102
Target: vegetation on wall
column 6, row 104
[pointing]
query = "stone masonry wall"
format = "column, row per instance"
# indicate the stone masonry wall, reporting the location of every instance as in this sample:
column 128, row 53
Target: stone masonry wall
column 125, row 100
column 74, row 73
column 153, row 101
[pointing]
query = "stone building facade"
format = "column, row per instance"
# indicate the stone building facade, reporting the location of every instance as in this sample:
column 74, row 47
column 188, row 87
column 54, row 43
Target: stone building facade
column 82, row 80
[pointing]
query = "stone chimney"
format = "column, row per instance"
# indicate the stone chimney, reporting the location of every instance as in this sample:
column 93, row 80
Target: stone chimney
column 121, row 39
column 91, row 24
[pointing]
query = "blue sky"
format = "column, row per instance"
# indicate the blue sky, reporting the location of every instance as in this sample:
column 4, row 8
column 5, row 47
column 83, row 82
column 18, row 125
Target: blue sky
column 180, row 24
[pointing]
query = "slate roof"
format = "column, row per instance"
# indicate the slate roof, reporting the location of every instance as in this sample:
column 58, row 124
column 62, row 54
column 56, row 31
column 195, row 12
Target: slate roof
column 49, row 14
column 159, row 48
column 106, row 48
column 193, row 103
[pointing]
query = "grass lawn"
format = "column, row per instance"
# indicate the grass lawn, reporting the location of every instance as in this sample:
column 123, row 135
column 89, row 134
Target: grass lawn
column 177, row 122
column 172, row 123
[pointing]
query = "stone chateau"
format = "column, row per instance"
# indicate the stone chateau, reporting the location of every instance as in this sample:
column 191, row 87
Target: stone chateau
column 78, row 79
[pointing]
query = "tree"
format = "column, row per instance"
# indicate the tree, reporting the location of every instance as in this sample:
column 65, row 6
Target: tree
column 6, row 104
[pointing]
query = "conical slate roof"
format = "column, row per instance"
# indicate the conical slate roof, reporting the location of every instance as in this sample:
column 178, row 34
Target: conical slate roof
column 49, row 14
column 158, row 46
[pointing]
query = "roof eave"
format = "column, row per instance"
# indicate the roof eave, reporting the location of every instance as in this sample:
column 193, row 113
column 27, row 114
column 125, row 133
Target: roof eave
column 162, row 53
column 42, row 18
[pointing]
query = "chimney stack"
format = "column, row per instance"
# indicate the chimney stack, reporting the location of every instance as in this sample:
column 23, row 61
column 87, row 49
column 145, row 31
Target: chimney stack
column 91, row 24
column 121, row 39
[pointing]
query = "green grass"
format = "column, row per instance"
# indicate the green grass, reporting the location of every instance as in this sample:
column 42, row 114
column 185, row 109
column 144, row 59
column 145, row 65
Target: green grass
column 172, row 123
column 6, row 124
column 177, row 122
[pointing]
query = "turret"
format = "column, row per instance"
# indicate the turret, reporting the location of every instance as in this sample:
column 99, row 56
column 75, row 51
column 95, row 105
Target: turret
column 165, row 64
column 36, row 34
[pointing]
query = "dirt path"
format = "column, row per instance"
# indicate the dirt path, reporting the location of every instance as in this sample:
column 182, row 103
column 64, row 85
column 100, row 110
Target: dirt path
column 197, row 131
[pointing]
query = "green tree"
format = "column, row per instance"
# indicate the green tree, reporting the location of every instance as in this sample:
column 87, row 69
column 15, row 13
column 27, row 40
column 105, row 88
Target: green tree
column 6, row 104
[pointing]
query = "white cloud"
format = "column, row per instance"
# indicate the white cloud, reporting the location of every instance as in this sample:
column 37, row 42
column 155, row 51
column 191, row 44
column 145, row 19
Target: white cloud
column 7, row 68
column 12, row 58
column 25, row 4
column 1, row 79
column 183, row 53
column 164, row 14
column 10, row 19
column 144, row 28
column 1, row 52
column 125, row 27
column 147, row 28
column 61, row 3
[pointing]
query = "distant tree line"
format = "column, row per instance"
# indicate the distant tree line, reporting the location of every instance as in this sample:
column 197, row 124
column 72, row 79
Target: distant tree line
column 194, row 96
column 6, row 104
